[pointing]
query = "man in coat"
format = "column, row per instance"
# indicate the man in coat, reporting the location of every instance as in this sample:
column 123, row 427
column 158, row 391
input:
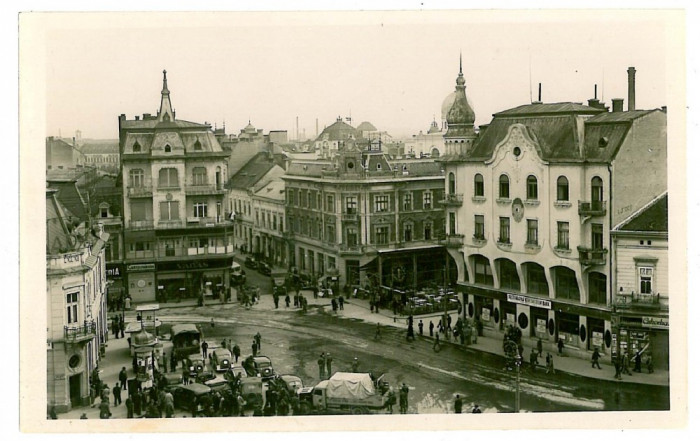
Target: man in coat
column 117, row 392
column 122, row 377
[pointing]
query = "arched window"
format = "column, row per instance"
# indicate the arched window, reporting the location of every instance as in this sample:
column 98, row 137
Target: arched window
column 532, row 188
column 168, row 149
column 136, row 178
column 167, row 177
column 565, row 284
column 199, row 176
column 136, row 146
column 479, row 185
column 504, row 187
column 197, row 145
column 597, row 283
column 562, row 188
column 451, row 184
column 596, row 189
column 408, row 231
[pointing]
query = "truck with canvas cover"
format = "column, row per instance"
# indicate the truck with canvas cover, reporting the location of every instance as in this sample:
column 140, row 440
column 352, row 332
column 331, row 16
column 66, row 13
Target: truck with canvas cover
column 345, row 392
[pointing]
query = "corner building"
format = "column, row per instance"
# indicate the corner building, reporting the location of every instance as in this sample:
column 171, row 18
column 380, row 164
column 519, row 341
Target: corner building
column 177, row 236
column 532, row 199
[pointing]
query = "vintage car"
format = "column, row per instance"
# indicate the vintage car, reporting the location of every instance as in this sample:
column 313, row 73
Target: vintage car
column 238, row 276
column 218, row 384
column 195, row 364
column 221, row 359
column 251, row 262
column 172, row 380
column 254, row 391
column 187, row 395
column 292, row 383
column 263, row 367
column 264, row 268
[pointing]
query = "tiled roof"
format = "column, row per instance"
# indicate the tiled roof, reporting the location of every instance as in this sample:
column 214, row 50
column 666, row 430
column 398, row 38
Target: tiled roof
column 652, row 218
column 549, row 108
column 58, row 239
column 152, row 123
column 251, row 172
column 339, row 130
column 366, row 126
column 612, row 117
column 273, row 190
column 99, row 147
column 308, row 168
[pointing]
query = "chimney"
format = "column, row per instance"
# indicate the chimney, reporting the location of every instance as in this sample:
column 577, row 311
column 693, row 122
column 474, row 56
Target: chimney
column 617, row 104
column 539, row 94
column 630, row 88
column 136, row 117
column 663, row 109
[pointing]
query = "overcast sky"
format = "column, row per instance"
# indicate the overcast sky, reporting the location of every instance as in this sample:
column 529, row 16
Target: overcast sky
column 392, row 69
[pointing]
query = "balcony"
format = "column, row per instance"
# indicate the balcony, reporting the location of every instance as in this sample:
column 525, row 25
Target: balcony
column 592, row 256
column 632, row 300
column 146, row 224
column 204, row 189
column 168, row 186
column 77, row 334
column 350, row 249
column 350, row 217
column 452, row 200
column 453, row 241
column 593, row 208
column 168, row 224
column 143, row 191
column 197, row 222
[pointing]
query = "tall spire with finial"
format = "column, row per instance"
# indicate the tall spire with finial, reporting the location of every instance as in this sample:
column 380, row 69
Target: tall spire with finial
column 460, row 116
column 166, row 108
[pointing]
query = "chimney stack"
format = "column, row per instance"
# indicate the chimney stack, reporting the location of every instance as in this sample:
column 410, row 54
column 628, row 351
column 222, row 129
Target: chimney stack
column 617, row 104
column 630, row 88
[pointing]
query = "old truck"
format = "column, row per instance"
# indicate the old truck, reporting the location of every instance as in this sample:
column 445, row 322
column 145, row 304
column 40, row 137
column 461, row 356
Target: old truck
column 345, row 393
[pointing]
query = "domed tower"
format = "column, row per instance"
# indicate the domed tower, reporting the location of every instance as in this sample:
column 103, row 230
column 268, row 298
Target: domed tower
column 460, row 118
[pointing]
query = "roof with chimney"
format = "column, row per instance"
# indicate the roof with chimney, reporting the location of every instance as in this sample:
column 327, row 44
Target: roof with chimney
column 338, row 131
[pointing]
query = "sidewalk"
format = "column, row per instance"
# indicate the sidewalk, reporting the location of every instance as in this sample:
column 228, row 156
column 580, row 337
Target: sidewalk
column 491, row 342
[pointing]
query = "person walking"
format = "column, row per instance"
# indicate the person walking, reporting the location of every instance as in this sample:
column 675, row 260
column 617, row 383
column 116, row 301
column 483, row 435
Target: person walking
column 560, row 347
column 431, row 327
column 533, row 360
column 105, row 413
column 322, row 366
column 254, row 348
column 334, row 305
column 287, row 300
column 618, row 368
column 258, row 340
column 550, row 363
column 594, row 359
column 169, row 404
column 276, row 299
column 638, row 362
column 173, row 361
column 403, row 398
column 539, row 347
column 329, row 361
column 625, row 368
column 436, row 344
column 117, row 392
column 458, row 404
column 391, row 399
column 122, row 327
column 355, row 364
column 122, row 377
column 205, row 347
column 341, row 302
column 420, row 327
column 409, row 333
column 129, row 403
column 236, row 352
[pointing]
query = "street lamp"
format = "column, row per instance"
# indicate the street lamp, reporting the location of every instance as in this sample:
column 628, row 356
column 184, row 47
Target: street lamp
column 511, row 349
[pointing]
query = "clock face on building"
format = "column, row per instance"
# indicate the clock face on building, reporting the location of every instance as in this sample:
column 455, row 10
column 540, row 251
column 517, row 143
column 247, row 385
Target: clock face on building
column 141, row 283
column 518, row 209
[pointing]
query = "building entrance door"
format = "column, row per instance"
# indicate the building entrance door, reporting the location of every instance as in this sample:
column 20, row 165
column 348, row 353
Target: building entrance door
column 74, row 383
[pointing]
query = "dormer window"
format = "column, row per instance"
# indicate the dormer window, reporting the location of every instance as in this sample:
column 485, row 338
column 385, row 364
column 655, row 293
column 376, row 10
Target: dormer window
column 379, row 166
column 136, row 147
column 197, row 145
column 168, row 149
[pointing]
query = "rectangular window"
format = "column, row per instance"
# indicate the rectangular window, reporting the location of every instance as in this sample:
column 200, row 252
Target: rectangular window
column 381, row 203
column 290, row 197
column 138, row 210
column 199, row 209
column 169, row 210
column 504, row 236
column 382, row 235
column 479, row 226
column 563, row 235
column 407, row 232
column 428, row 230
column 72, row 307
column 199, row 176
column 167, row 177
column 352, row 237
column 482, row 272
column 408, row 202
column 351, row 205
column 597, row 236
column 330, row 233
column 330, row 203
column 532, row 231
column 453, row 223
column 427, row 200
column 646, row 275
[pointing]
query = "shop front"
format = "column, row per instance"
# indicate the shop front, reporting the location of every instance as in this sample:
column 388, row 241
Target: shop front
column 187, row 279
column 568, row 328
column 646, row 334
column 141, row 279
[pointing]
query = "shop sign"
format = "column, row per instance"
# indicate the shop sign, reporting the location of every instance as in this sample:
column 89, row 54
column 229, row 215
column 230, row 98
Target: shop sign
column 141, row 267
column 597, row 339
column 510, row 319
column 113, row 271
column 486, row 314
column 530, row 301
column 195, row 265
column 541, row 326
column 655, row 322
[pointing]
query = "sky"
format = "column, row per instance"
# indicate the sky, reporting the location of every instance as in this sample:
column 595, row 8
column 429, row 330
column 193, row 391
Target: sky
column 393, row 69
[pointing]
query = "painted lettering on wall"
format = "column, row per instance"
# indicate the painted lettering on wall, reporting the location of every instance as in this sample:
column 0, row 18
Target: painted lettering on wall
column 70, row 258
column 624, row 209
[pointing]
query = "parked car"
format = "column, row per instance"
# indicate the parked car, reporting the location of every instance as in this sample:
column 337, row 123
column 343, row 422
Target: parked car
column 292, row 382
column 195, row 364
column 263, row 367
column 218, row 384
column 264, row 268
column 187, row 395
column 221, row 359
column 251, row 262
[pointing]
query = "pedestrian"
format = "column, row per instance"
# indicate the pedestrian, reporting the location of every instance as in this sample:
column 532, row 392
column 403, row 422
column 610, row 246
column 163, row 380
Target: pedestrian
column 458, row 404
column 431, row 327
column 286, row 300
column 329, row 361
column 437, row 341
column 122, row 327
column 650, row 364
column 403, row 398
column 560, row 346
column 173, row 361
column 254, row 348
column 618, row 368
column 409, row 333
column 355, row 364
column 117, row 392
column 129, row 403
column 304, row 303
column 550, row 363
column 341, row 302
column 638, row 362
column 127, row 303
column 276, row 299
column 258, row 339
column 334, row 305
column 122, row 377
column 539, row 347
column 185, row 376
column 391, row 399
column 594, row 359
column 137, row 402
column 236, row 350
column 533, row 359
column 420, row 327
column 322, row 366
column 205, row 346
column 105, row 413
column 476, row 409
column 625, row 369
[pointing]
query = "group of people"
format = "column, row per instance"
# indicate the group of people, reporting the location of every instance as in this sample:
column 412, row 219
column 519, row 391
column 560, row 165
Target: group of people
column 459, row 403
column 325, row 365
column 118, row 326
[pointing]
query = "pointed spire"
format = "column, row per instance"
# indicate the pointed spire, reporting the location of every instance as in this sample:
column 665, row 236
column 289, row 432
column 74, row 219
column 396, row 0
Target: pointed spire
column 166, row 109
column 460, row 63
